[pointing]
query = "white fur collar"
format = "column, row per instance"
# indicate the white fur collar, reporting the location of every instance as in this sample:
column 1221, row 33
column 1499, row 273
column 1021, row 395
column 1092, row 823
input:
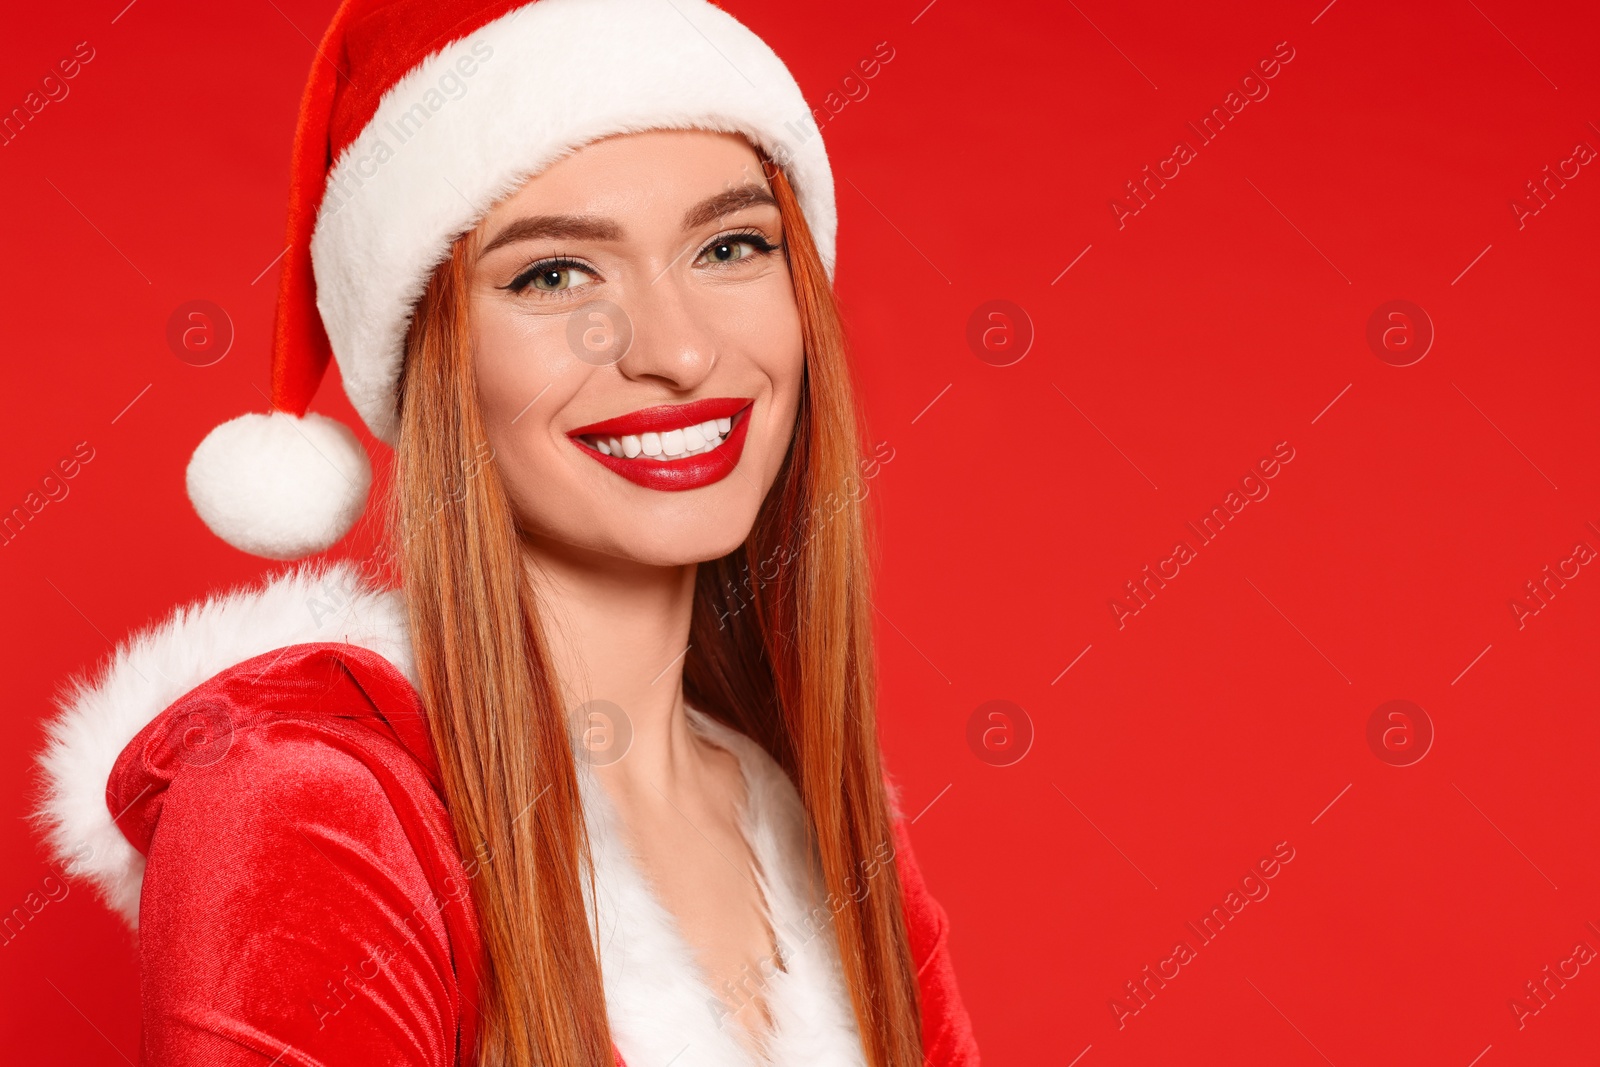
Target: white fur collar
column 659, row 1004
column 658, row 1001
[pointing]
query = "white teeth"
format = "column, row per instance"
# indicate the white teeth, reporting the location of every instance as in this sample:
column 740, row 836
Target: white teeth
column 692, row 440
column 711, row 442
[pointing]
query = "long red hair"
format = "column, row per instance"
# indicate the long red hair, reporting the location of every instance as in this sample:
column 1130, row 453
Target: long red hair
column 781, row 649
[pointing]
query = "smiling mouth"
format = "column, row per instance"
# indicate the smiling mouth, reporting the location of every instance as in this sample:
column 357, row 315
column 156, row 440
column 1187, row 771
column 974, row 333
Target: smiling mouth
column 692, row 439
column 671, row 447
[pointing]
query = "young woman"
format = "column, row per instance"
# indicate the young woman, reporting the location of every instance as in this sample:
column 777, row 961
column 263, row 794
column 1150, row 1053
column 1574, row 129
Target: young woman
column 599, row 780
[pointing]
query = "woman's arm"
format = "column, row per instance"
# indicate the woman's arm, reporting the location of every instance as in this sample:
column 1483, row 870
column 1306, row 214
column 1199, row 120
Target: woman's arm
column 286, row 917
column 947, row 1038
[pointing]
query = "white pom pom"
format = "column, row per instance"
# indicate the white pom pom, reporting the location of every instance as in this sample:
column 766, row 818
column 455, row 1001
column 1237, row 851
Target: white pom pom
column 279, row 486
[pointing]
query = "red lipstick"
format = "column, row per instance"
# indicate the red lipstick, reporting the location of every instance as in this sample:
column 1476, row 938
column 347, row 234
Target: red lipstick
column 650, row 447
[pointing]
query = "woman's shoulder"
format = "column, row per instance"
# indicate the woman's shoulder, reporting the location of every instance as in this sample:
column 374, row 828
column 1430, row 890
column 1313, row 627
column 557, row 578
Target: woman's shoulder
column 245, row 675
column 947, row 1036
column 251, row 785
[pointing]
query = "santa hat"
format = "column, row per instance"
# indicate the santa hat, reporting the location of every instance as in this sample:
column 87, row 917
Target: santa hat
column 418, row 117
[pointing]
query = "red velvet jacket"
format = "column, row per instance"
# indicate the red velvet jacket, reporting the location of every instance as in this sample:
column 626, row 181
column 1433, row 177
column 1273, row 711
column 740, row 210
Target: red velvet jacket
column 287, row 855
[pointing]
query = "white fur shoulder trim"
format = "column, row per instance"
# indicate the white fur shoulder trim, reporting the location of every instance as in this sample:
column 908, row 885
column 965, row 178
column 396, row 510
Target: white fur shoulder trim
column 101, row 712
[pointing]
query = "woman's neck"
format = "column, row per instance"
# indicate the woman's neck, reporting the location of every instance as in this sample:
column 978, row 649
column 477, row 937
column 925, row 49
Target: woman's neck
column 618, row 632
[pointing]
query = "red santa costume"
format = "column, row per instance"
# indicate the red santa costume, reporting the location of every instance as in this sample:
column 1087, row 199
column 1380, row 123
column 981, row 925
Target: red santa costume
column 250, row 784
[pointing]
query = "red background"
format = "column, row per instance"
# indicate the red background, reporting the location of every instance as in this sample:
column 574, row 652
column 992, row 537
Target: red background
column 1230, row 714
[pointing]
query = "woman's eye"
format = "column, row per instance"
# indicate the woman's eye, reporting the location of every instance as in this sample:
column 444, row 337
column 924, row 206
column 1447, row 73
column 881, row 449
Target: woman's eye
column 552, row 278
column 737, row 248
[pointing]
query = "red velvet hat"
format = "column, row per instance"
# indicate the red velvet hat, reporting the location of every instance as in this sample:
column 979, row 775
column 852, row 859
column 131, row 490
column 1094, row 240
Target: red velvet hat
column 418, row 117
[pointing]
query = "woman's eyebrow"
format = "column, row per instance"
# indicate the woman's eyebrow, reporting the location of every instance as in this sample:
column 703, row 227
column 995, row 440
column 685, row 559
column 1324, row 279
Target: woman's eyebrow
column 593, row 228
column 727, row 202
column 568, row 227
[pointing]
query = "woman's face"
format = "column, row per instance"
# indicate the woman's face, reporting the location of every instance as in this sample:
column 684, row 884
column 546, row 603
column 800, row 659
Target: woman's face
column 638, row 348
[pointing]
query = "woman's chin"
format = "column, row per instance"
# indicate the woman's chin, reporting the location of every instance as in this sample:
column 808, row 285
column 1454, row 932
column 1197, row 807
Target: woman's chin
column 678, row 548
column 657, row 543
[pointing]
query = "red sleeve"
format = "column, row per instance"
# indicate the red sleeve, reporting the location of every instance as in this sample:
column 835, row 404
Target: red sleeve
column 947, row 1038
column 286, row 917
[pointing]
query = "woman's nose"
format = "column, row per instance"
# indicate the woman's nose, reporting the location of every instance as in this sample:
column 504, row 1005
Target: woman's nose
column 671, row 341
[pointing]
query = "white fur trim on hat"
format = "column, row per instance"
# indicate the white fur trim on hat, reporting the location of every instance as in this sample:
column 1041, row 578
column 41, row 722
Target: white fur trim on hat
column 279, row 486
column 467, row 126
